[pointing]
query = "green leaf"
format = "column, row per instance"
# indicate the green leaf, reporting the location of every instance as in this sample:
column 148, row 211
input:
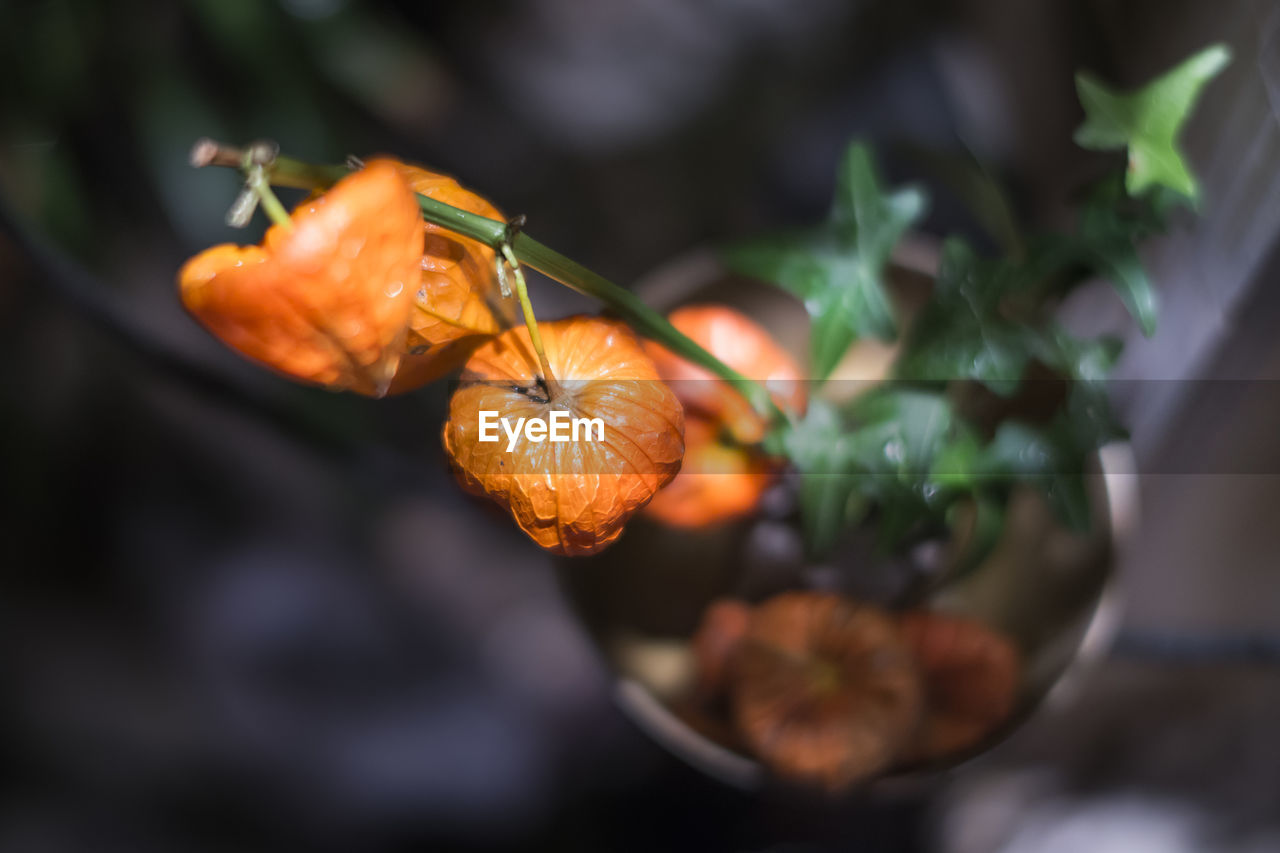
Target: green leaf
column 956, row 463
column 897, row 432
column 1047, row 458
column 1052, row 456
column 878, row 453
column 906, row 453
column 897, row 435
column 1147, row 121
column 973, row 183
column 817, row 447
column 961, row 333
column 1120, row 263
column 1106, row 243
column 837, row 269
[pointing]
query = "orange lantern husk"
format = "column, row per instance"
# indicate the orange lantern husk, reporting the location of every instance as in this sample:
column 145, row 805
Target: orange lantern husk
column 971, row 676
column 823, row 689
column 570, row 497
column 723, row 476
column 721, row 630
column 459, row 275
column 325, row 300
column 720, row 481
column 458, row 304
column 742, row 344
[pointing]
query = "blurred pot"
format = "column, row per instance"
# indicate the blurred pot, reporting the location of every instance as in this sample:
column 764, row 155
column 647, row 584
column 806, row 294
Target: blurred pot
column 1045, row 587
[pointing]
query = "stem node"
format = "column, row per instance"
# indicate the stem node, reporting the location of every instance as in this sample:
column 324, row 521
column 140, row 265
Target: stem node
column 262, row 152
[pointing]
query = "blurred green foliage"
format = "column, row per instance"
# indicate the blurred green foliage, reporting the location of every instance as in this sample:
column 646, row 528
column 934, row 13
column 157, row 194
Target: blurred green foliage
column 917, row 454
column 837, row 269
column 105, row 100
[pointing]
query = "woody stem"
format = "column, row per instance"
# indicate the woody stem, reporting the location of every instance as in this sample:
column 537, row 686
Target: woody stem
column 282, row 171
column 554, row 391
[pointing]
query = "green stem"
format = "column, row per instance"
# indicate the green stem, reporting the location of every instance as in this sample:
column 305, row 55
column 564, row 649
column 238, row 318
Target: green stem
column 554, row 391
column 646, row 321
column 271, row 205
column 285, row 171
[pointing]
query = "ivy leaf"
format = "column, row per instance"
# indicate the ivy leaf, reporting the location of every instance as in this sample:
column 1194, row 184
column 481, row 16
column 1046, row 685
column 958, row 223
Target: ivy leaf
column 837, row 269
column 955, row 466
column 1083, row 362
column 1110, row 249
column 1053, row 456
column 1110, row 229
column 974, row 184
column 961, row 333
column 879, row 450
column 1045, row 457
column 817, row 446
column 897, row 432
column 896, row 436
column 1147, row 121
column 1106, row 242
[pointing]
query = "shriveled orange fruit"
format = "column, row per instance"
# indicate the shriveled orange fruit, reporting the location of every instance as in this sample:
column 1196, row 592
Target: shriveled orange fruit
column 719, row 481
column 721, row 631
column 823, row 689
column 571, row 497
column 459, row 275
column 742, row 344
column 326, row 301
column 971, row 676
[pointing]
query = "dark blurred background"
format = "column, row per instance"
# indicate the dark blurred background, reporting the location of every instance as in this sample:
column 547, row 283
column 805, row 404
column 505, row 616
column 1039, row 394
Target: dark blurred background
column 236, row 614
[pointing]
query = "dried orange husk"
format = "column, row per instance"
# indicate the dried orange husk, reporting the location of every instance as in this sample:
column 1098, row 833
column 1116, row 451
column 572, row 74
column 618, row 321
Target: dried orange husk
column 327, row 300
column 720, row 480
column 570, row 497
column 720, row 632
column 971, row 675
column 435, row 362
column 823, row 689
column 459, row 275
column 742, row 344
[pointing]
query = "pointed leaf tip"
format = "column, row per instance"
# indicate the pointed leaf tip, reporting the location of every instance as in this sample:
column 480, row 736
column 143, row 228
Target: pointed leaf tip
column 1148, row 121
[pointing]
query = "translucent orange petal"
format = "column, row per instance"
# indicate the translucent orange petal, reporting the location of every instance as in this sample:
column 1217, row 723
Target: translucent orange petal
column 459, row 275
column 328, row 300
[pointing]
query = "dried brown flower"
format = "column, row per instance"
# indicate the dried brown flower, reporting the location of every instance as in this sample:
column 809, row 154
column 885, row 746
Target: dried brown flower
column 823, row 689
column 971, row 677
